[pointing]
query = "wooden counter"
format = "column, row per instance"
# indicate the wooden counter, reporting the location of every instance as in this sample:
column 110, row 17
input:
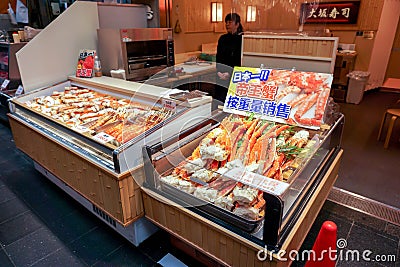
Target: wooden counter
column 118, row 195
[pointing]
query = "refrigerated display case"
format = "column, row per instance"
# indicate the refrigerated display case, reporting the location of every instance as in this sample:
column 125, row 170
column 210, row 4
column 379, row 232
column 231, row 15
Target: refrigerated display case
column 90, row 159
column 8, row 71
column 277, row 214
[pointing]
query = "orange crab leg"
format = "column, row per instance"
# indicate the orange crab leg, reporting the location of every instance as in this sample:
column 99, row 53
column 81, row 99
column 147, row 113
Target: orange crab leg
column 323, row 97
column 276, row 165
column 308, row 103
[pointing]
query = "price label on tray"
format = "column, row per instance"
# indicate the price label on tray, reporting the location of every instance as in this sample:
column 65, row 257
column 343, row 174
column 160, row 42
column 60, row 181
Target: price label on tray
column 81, row 129
column 103, row 138
column 19, row 91
column 5, row 84
column 258, row 181
column 169, row 104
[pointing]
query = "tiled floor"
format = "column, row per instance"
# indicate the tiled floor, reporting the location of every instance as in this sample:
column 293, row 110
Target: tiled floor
column 40, row 225
column 367, row 168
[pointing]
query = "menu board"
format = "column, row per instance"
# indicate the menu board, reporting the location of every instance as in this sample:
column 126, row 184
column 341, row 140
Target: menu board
column 285, row 96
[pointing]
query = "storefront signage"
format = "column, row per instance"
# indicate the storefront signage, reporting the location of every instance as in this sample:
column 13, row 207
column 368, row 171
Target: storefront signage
column 291, row 97
column 330, row 12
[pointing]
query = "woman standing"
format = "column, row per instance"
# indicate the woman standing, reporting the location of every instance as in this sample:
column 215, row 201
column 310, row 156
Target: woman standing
column 229, row 51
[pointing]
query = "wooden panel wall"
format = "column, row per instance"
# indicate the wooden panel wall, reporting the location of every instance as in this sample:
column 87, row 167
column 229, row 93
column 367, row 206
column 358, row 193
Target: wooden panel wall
column 393, row 69
column 272, row 15
column 298, row 47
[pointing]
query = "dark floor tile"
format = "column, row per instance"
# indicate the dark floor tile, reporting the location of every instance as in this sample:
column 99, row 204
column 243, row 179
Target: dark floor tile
column 362, row 239
column 349, row 259
column 357, row 217
column 61, row 257
column 56, row 207
column 6, row 194
column 156, row 246
column 18, row 227
column 30, row 186
column 33, row 248
column 15, row 159
column 73, row 226
column 126, row 255
column 97, row 244
column 5, row 260
column 343, row 228
column 297, row 264
column 369, row 221
column 393, row 230
column 11, row 209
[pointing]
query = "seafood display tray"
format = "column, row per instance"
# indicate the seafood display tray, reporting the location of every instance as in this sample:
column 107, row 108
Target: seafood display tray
column 224, row 215
column 115, row 156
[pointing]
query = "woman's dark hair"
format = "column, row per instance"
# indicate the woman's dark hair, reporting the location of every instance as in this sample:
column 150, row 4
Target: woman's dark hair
column 234, row 17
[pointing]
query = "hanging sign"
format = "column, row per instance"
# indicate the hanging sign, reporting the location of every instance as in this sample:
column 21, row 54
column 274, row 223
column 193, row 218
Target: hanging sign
column 330, row 12
column 285, row 96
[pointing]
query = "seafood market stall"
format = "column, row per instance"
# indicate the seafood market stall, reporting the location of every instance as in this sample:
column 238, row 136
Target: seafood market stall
column 242, row 188
column 86, row 136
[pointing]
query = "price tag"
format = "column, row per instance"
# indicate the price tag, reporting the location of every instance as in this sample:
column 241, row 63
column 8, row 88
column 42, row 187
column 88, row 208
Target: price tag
column 241, row 175
column 4, row 84
column 169, row 104
column 272, row 186
column 19, row 91
column 81, row 129
column 258, row 181
column 103, row 138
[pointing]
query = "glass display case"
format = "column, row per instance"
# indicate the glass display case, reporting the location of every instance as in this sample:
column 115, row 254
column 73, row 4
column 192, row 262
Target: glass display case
column 250, row 176
column 86, row 135
column 106, row 126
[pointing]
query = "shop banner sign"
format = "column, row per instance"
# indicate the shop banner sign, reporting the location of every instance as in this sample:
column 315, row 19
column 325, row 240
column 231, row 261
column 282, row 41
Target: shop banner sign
column 330, row 12
column 285, row 96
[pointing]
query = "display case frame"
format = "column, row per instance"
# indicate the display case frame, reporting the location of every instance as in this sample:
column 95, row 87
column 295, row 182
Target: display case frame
column 283, row 215
column 104, row 175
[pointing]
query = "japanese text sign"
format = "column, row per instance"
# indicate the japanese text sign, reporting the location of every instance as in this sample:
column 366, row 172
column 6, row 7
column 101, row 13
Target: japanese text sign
column 291, row 97
column 85, row 63
column 258, row 181
column 330, row 12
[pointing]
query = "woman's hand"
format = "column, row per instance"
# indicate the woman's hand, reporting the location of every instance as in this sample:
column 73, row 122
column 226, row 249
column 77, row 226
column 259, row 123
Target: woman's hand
column 223, row 76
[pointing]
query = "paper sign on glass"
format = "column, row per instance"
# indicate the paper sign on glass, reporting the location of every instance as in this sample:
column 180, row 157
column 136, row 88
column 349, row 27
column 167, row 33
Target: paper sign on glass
column 285, row 96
